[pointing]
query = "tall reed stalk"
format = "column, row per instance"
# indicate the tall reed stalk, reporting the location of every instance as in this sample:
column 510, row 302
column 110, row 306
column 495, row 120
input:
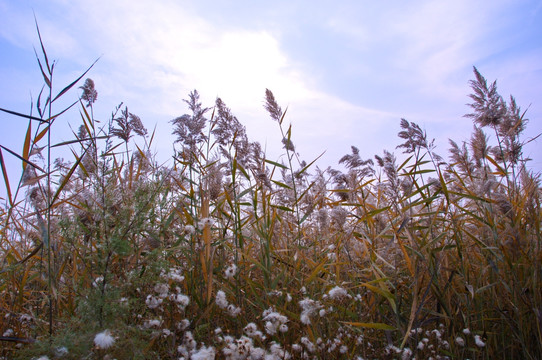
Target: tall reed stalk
column 225, row 253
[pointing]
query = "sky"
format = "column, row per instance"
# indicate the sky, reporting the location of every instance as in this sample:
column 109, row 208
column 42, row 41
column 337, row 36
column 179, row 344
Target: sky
column 347, row 71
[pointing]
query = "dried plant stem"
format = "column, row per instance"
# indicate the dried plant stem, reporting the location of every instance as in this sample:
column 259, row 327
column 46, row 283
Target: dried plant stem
column 49, row 204
column 207, row 264
column 290, row 155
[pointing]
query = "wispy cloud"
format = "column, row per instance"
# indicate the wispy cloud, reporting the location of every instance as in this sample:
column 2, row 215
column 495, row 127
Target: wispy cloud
column 424, row 43
column 369, row 63
column 155, row 54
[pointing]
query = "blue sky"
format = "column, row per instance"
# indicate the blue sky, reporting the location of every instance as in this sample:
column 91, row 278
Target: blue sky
column 347, row 70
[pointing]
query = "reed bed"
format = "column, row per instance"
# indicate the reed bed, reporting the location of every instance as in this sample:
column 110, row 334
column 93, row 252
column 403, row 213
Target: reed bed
column 227, row 254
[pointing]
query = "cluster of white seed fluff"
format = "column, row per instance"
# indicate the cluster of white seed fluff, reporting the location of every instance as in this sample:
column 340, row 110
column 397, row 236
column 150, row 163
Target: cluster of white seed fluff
column 188, row 345
column 308, row 308
column 337, row 293
column 244, row 348
column 183, row 324
column 342, row 345
column 230, row 271
column 154, row 323
column 461, row 341
column 174, row 274
column 274, row 321
column 168, row 293
column 257, row 341
column 179, row 299
column 278, row 293
column 432, row 344
column 200, row 225
column 162, row 292
column 308, row 344
column 60, row 352
column 153, row 302
column 391, row 350
column 98, row 281
column 190, row 229
column 203, row 222
column 104, row 340
column 252, row 331
column 261, row 342
column 478, row 341
column 204, row 353
column 222, row 302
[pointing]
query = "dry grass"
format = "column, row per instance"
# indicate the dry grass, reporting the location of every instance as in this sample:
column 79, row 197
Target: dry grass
column 231, row 255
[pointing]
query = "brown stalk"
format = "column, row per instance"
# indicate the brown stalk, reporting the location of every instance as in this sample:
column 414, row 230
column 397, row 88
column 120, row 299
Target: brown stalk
column 206, row 260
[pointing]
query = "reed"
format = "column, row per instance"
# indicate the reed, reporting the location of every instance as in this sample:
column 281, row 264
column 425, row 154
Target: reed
column 228, row 254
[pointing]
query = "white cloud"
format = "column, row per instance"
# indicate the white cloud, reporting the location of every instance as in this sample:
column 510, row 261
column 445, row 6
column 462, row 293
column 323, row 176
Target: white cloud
column 407, row 56
column 154, row 54
column 422, row 44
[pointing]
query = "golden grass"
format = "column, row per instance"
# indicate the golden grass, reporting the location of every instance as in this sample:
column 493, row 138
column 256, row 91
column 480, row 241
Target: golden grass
column 423, row 259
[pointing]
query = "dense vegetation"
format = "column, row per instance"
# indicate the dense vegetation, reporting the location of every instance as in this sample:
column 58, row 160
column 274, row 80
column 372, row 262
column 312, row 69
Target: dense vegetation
column 231, row 255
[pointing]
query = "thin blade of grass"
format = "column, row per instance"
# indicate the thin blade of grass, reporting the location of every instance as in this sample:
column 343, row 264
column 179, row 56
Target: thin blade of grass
column 78, row 141
column 67, row 177
column 45, row 77
column 52, row 118
column 404, row 163
column 305, row 217
column 386, row 293
column 87, row 121
column 34, row 252
column 303, row 194
column 417, row 172
column 38, row 105
column 378, row 326
column 49, row 69
column 21, row 158
column 469, row 196
column 26, row 147
column 257, row 263
column 6, row 178
column 236, row 165
column 152, row 136
column 501, row 171
column 372, row 213
column 67, row 88
column 22, row 115
column 41, row 135
column 444, row 186
column 282, row 207
column 283, row 115
column 281, row 184
column 312, row 162
column 413, row 312
column 382, row 289
column 244, row 192
column 409, row 264
column 276, row 164
column 317, row 270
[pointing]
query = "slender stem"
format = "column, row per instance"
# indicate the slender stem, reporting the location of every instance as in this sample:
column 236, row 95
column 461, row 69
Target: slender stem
column 49, row 265
column 294, row 187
